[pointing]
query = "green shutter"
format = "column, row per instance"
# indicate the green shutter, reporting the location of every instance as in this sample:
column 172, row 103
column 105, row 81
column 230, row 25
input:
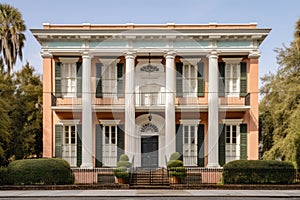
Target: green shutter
column 179, row 139
column 58, row 89
column 99, row 143
column 243, row 79
column 58, row 140
column 221, row 79
column 179, row 80
column 120, row 140
column 79, row 79
column 200, row 149
column 99, row 80
column 243, row 141
column 79, row 145
column 221, row 144
column 200, row 79
column 120, row 80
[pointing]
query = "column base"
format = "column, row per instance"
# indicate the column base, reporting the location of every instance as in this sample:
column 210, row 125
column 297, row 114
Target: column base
column 213, row 165
column 86, row 166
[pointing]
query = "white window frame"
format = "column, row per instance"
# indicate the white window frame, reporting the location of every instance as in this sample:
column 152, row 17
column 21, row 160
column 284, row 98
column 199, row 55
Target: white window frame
column 69, row 76
column 231, row 65
column 109, row 152
column 69, row 151
column 190, row 150
column 229, row 147
column 189, row 78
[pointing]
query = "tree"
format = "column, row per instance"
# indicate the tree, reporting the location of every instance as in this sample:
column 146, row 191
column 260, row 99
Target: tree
column 26, row 127
column 280, row 106
column 12, row 37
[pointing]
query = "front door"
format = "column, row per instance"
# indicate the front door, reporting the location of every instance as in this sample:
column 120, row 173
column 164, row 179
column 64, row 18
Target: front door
column 150, row 151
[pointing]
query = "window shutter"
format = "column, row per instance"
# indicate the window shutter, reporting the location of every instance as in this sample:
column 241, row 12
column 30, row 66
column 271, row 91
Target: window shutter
column 99, row 93
column 179, row 80
column 58, row 140
column 179, row 139
column 200, row 79
column 243, row 142
column 221, row 79
column 99, row 143
column 120, row 80
column 200, row 149
column 58, row 89
column 243, row 79
column 79, row 145
column 120, row 141
column 221, row 144
column 79, row 79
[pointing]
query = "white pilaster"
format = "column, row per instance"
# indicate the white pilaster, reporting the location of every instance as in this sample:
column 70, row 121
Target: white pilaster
column 131, row 140
column 87, row 144
column 213, row 111
column 170, row 131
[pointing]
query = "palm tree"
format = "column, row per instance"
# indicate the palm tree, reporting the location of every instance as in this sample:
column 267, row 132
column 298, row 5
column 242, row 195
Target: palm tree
column 11, row 35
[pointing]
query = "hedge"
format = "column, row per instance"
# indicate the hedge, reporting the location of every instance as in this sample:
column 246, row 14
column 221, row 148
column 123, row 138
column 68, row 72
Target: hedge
column 3, row 176
column 258, row 172
column 47, row 171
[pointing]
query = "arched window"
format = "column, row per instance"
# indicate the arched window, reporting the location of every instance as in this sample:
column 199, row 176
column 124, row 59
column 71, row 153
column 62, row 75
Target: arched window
column 148, row 127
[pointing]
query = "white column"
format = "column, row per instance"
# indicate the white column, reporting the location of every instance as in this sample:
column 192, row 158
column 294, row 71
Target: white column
column 130, row 136
column 170, row 130
column 87, row 144
column 213, row 111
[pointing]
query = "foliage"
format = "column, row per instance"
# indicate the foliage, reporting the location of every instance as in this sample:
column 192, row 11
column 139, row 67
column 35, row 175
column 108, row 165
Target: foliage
column 280, row 106
column 48, row 171
column 12, row 37
column 258, row 172
column 124, row 157
column 122, row 167
column 174, row 163
column 179, row 172
column 175, row 166
column 175, row 156
column 126, row 164
column 3, row 176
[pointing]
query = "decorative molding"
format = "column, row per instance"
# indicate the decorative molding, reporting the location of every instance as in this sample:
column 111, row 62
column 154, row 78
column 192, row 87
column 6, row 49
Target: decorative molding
column 70, row 60
column 232, row 121
column 109, row 122
column 69, row 122
column 149, row 68
column 149, row 127
column 254, row 54
column 232, row 60
column 190, row 121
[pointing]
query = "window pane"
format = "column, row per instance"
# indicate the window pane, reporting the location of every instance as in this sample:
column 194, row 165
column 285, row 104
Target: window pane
column 73, row 135
column 186, row 134
column 192, row 134
column 113, row 135
column 106, row 134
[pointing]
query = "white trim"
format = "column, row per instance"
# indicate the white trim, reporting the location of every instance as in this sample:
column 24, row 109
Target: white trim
column 109, row 122
column 69, row 122
column 232, row 121
column 69, row 60
column 190, row 121
column 232, row 60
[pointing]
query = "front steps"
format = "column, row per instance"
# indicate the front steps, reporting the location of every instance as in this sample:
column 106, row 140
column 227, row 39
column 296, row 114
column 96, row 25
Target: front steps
column 149, row 178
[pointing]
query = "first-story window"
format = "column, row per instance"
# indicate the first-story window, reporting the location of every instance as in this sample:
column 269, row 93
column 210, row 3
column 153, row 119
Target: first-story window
column 69, row 144
column 232, row 148
column 109, row 145
column 190, row 145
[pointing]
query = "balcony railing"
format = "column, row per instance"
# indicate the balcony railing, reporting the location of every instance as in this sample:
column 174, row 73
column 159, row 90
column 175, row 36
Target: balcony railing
column 150, row 99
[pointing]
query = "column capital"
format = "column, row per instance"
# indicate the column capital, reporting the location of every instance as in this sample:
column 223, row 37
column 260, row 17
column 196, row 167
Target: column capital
column 213, row 55
column 86, row 55
column 170, row 55
column 130, row 55
column 46, row 54
column 254, row 54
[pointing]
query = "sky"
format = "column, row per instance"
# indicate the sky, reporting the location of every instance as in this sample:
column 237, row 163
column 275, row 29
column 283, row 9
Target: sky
column 279, row 15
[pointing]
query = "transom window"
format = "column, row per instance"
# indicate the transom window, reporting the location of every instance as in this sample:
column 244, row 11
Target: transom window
column 69, row 79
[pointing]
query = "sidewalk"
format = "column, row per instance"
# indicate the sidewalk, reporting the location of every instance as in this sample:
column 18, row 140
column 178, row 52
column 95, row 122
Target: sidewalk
column 149, row 193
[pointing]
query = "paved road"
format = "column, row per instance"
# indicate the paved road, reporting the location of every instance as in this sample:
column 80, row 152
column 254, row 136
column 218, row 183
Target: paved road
column 150, row 194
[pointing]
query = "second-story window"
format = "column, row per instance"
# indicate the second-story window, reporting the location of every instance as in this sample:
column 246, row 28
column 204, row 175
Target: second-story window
column 68, row 79
column 189, row 81
column 232, row 79
column 109, row 78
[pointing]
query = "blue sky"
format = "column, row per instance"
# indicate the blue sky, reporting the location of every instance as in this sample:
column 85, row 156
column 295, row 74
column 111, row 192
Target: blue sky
column 280, row 15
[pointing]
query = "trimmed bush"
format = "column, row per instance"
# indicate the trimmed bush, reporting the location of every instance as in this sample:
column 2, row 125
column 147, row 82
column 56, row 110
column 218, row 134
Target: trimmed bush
column 124, row 157
column 121, row 172
column 174, row 163
column 3, row 176
column 125, row 164
column 258, row 172
column 47, row 171
column 175, row 156
column 178, row 172
column 175, row 166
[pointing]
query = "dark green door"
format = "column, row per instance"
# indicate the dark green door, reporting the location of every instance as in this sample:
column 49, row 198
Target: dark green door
column 150, row 151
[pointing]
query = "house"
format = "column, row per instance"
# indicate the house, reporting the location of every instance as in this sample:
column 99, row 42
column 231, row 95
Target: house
column 149, row 90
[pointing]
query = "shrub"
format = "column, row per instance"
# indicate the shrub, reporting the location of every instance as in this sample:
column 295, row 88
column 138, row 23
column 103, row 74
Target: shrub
column 3, row 176
column 124, row 157
column 125, row 164
column 48, row 171
column 258, row 172
column 121, row 172
column 174, row 163
column 178, row 172
column 175, row 156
